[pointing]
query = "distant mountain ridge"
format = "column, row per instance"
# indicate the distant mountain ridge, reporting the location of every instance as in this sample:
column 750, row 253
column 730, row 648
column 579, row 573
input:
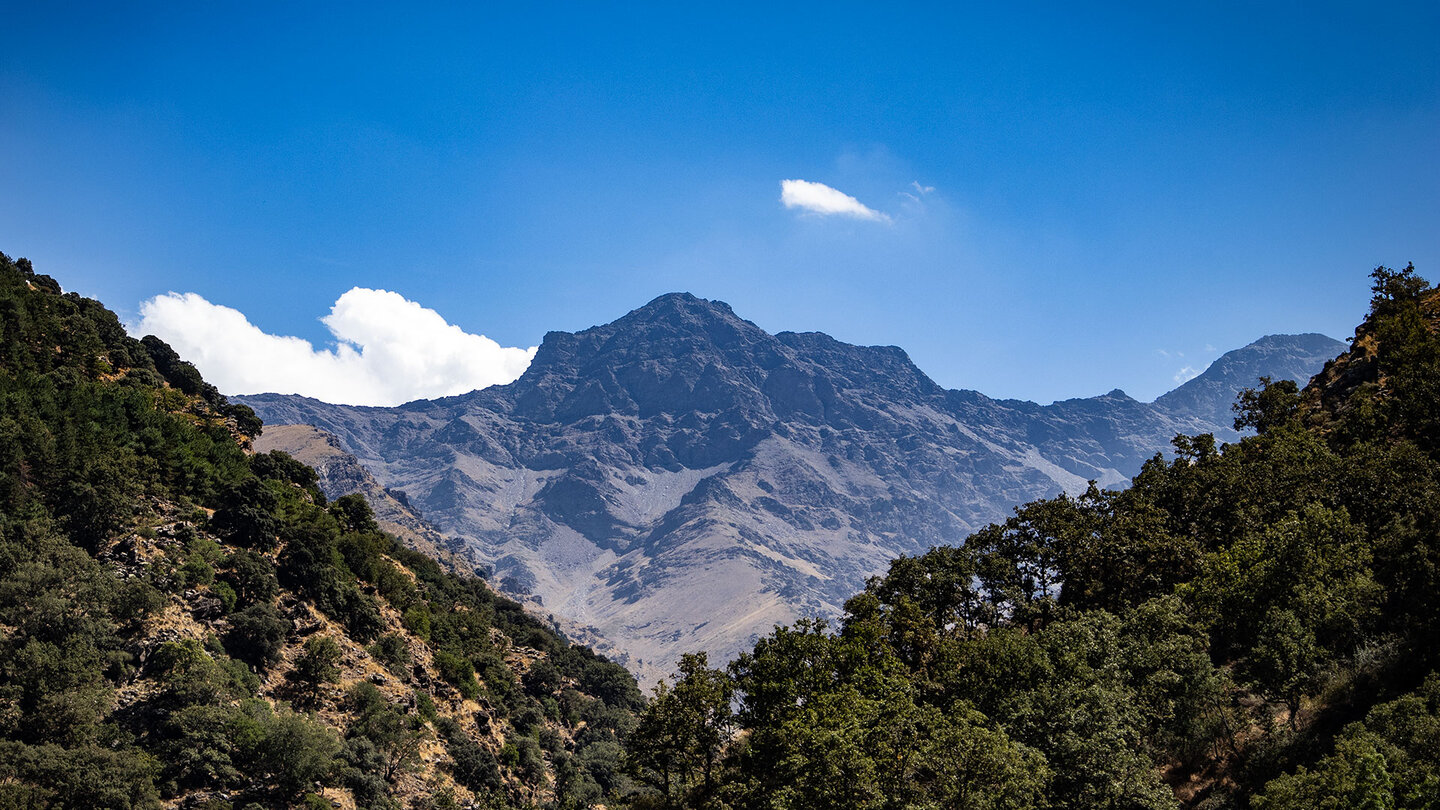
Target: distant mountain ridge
column 1277, row 356
column 681, row 479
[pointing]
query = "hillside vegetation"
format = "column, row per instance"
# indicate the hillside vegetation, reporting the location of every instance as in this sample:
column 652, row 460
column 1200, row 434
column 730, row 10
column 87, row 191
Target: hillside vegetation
column 1253, row 625
column 186, row 623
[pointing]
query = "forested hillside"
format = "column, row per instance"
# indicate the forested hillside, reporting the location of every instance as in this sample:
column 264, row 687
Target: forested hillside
column 1253, row 625
column 185, row 623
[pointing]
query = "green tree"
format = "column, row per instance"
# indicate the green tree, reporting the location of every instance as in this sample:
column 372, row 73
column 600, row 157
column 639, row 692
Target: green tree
column 257, row 635
column 317, row 665
column 1273, row 406
column 392, row 652
column 680, row 740
column 396, row 736
column 252, row 576
column 290, row 749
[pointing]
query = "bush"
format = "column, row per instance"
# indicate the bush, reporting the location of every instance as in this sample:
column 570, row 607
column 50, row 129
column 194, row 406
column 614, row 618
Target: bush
column 292, row 750
column 391, row 651
column 527, row 720
column 252, row 576
column 417, row 621
column 318, row 663
column 458, row 671
column 531, row 762
column 226, row 595
column 542, row 680
column 257, row 635
column 425, row 706
column 472, row 766
column 196, row 571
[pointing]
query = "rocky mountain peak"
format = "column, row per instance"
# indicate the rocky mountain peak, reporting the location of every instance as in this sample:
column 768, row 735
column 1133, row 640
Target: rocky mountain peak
column 662, row 329
column 680, row 356
column 677, row 354
column 680, row 306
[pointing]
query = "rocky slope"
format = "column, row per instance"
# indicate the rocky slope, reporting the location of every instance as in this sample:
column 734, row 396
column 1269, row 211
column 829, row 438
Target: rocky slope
column 430, row 712
column 680, row 479
column 341, row 474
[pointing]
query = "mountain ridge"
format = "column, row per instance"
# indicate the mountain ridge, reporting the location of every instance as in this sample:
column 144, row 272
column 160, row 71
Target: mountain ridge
column 1243, row 365
column 637, row 464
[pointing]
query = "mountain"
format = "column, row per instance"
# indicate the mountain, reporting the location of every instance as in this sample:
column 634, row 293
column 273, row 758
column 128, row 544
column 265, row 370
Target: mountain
column 338, row 474
column 680, row 479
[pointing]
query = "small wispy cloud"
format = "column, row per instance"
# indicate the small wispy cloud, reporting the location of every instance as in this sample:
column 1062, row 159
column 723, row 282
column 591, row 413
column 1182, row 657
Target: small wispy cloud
column 818, row 198
column 919, row 193
column 388, row 350
column 1186, row 374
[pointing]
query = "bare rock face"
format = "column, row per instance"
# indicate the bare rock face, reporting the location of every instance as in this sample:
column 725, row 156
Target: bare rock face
column 682, row 480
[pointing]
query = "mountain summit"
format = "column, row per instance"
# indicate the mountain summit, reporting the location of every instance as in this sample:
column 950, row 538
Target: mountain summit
column 681, row 479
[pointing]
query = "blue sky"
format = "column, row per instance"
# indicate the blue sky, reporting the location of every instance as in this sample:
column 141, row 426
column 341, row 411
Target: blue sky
column 1117, row 194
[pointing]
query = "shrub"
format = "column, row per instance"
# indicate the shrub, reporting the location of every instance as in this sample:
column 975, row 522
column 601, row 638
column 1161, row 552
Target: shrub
column 256, row 635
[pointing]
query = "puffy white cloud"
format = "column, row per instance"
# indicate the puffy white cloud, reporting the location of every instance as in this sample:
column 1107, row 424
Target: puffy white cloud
column 388, row 350
column 819, row 198
column 1186, row 374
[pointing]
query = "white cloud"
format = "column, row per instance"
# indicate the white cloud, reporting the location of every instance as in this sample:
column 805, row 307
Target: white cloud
column 388, row 350
column 1186, row 374
column 920, row 192
column 819, row 198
